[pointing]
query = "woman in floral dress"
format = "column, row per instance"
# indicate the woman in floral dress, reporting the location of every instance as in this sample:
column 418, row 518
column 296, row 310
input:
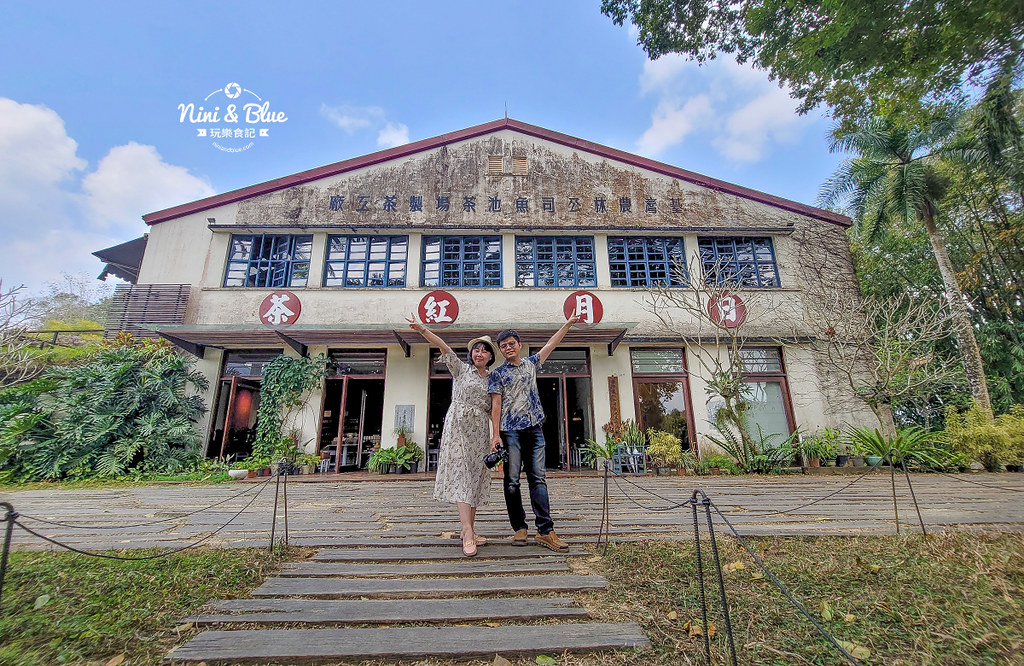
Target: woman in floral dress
column 462, row 477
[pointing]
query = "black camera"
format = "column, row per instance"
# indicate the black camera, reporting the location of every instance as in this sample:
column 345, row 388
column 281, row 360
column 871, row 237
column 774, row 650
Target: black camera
column 495, row 457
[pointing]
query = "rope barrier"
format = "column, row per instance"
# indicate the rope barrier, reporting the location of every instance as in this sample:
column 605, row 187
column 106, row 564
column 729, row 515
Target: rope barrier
column 782, row 588
column 984, row 485
column 144, row 557
column 698, row 552
column 146, row 524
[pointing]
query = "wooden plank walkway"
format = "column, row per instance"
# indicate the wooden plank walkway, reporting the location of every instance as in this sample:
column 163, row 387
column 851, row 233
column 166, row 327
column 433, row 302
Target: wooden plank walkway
column 410, row 588
column 385, row 611
column 432, row 587
column 474, row 567
column 325, row 645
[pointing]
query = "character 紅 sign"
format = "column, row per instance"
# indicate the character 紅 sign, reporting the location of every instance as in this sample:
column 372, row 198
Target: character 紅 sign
column 438, row 309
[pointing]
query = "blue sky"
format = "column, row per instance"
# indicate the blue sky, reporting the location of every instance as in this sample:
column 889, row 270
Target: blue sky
column 90, row 137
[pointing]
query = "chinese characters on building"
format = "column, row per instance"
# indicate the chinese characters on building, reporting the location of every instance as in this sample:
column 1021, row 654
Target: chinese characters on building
column 414, row 204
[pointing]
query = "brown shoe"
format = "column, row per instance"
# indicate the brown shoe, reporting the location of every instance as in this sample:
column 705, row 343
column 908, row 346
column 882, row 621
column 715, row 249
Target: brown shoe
column 551, row 540
column 520, row 538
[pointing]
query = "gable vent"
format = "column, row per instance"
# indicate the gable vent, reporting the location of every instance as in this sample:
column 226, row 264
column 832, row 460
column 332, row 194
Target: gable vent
column 494, row 165
column 519, row 165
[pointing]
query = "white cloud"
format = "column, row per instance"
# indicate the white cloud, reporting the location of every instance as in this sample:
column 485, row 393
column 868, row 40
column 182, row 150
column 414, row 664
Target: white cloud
column 742, row 114
column 353, row 118
column 132, row 180
column 393, row 134
column 770, row 118
column 672, row 121
column 34, row 146
column 51, row 217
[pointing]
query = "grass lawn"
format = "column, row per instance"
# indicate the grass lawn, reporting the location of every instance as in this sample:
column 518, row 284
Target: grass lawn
column 65, row 608
column 955, row 598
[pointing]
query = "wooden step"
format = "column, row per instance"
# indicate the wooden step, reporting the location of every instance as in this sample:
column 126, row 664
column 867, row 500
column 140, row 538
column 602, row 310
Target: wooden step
column 326, row 645
column 425, row 587
column 385, row 611
column 400, row 552
column 464, row 567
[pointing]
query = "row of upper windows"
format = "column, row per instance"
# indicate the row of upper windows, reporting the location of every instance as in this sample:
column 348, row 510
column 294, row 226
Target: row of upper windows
column 475, row 261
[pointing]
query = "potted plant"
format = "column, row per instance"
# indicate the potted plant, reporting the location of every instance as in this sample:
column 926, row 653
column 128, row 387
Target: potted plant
column 716, row 463
column 407, row 458
column 402, row 432
column 239, row 470
column 595, row 454
column 665, row 451
column 688, row 465
column 381, row 461
column 811, row 449
column 309, row 462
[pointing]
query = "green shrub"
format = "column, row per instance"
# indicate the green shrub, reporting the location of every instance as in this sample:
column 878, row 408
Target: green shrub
column 719, row 460
column 130, row 408
column 991, row 441
column 664, row 449
column 913, row 445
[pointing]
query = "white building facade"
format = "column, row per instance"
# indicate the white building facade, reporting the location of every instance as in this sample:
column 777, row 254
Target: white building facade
column 502, row 225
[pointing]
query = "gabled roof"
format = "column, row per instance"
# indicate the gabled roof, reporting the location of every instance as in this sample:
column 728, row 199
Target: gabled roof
column 480, row 130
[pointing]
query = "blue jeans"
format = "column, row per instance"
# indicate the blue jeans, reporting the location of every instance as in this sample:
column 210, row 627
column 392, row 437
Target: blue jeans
column 527, row 450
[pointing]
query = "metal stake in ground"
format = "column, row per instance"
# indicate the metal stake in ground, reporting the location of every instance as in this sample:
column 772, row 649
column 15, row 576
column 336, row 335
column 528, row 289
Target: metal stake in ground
column 892, row 477
column 721, row 582
column 913, row 497
column 273, row 517
column 286, row 508
column 605, row 531
column 9, row 516
column 700, row 580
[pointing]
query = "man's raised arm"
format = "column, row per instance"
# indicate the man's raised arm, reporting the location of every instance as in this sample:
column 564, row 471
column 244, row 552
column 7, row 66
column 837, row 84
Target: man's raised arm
column 549, row 347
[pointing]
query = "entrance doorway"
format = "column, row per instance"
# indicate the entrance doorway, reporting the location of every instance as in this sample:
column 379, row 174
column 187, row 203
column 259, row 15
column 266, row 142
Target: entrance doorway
column 565, row 395
column 234, row 421
column 353, row 410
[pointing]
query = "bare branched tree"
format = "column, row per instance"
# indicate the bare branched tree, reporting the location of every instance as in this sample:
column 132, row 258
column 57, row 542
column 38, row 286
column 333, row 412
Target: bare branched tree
column 16, row 359
column 885, row 349
column 697, row 312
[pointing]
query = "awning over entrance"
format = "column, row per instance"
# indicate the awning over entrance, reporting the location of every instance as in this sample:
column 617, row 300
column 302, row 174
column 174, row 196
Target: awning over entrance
column 196, row 338
column 123, row 260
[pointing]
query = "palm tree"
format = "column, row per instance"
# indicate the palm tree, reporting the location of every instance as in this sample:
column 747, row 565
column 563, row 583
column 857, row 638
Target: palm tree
column 895, row 177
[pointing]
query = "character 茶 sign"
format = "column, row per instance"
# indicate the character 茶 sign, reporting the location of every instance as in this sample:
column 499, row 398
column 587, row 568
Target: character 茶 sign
column 281, row 308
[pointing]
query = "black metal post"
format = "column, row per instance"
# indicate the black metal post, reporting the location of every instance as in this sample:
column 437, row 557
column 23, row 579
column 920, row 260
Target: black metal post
column 273, row 518
column 286, row 509
column 913, row 497
column 605, row 530
column 721, row 582
column 9, row 517
column 892, row 478
column 700, row 581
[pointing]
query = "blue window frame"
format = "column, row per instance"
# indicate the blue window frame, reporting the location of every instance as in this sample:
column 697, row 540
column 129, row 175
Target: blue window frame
column 366, row 261
column 645, row 261
column 461, row 261
column 268, row 261
column 742, row 261
column 555, row 261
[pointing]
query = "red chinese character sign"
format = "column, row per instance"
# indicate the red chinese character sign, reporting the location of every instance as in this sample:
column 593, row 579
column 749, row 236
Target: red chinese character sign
column 439, row 308
column 589, row 306
column 281, row 308
column 727, row 310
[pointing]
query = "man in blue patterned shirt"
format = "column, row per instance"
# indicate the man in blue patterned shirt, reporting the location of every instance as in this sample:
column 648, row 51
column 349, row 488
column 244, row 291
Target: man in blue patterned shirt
column 516, row 419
